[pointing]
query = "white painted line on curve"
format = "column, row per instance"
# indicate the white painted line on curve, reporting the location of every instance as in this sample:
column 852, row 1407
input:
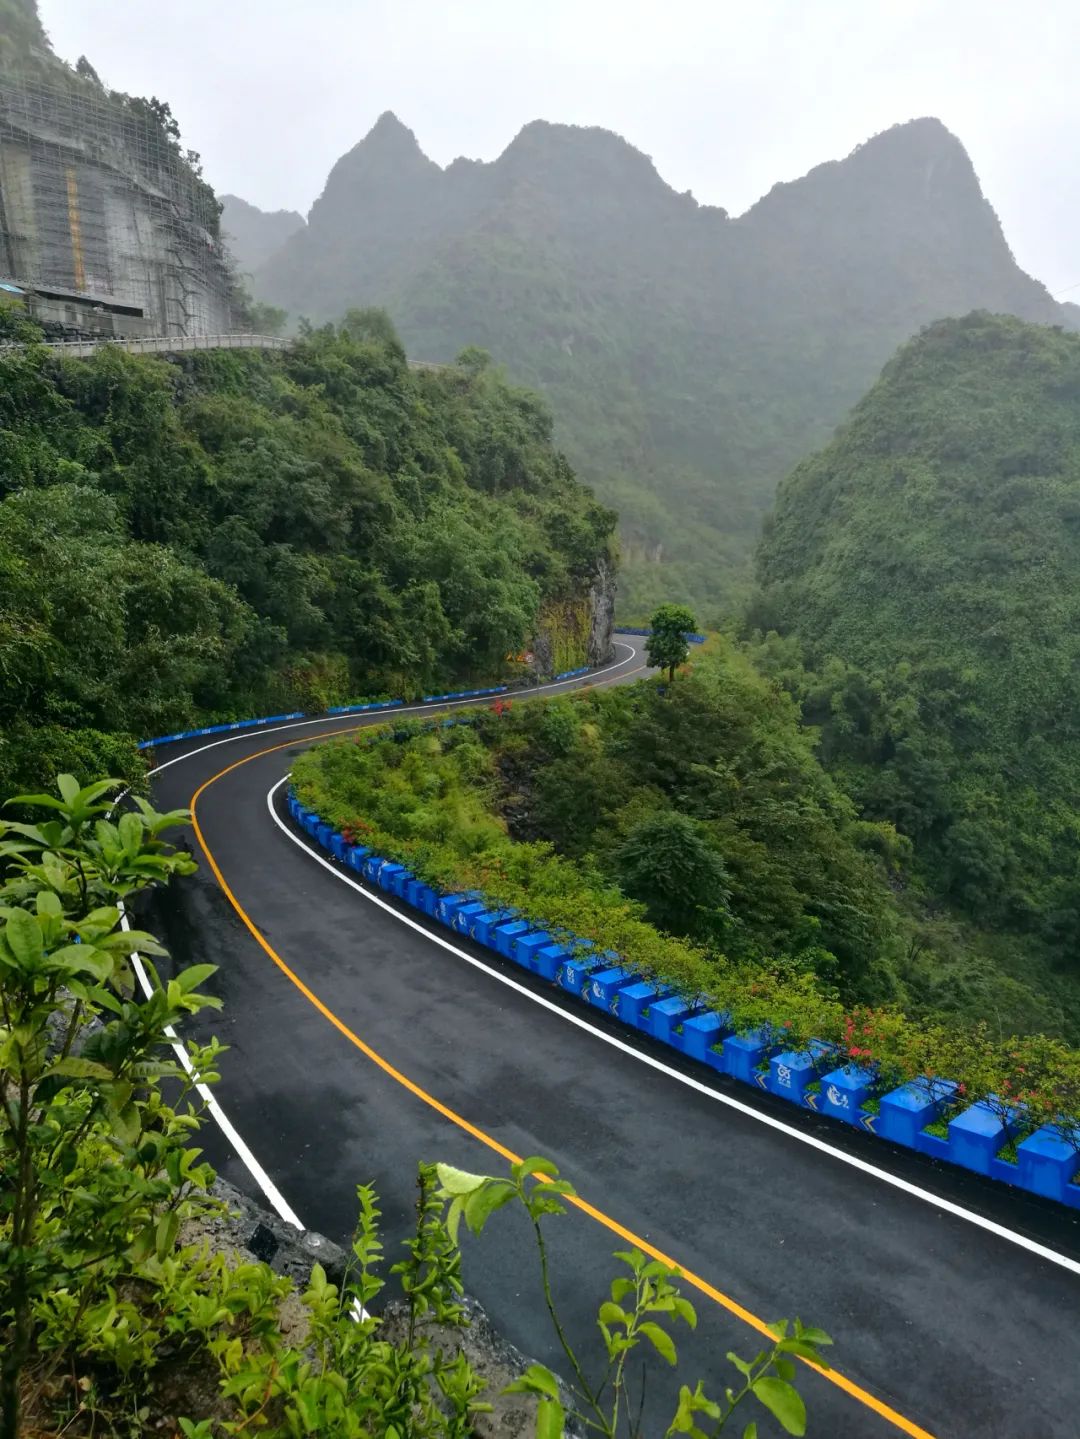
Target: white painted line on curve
column 904, row 1185
column 283, row 1209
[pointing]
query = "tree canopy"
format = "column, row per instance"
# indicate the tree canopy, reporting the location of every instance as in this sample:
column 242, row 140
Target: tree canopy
column 667, row 645
column 237, row 532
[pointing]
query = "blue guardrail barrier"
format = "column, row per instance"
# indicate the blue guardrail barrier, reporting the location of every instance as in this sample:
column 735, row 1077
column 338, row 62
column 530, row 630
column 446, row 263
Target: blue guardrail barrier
column 627, row 630
column 816, row 1077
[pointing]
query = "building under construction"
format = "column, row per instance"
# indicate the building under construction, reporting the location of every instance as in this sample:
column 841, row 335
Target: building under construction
column 105, row 229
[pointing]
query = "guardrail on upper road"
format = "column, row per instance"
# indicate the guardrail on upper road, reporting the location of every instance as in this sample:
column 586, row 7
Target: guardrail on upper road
column 690, row 639
column 163, row 344
column 179, row 345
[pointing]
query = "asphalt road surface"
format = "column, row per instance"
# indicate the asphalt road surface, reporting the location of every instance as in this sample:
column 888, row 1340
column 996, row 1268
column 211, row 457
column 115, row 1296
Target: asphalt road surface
column 361, row 1042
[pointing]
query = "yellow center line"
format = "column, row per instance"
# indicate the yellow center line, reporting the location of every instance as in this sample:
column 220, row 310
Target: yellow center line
column 863, row 1396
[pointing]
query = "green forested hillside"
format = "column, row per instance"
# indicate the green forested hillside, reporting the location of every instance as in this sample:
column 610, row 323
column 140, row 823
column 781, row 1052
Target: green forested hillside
column 236, row 532
column 690, row 358
column 922, row 578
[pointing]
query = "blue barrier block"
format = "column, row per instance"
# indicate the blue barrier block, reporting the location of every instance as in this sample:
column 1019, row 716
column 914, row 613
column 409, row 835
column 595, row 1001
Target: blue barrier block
column 292, row 804
column 933, row 1145
column 701, row 1032
column 527, row 948
column 398, row 881
column 506, row 935
column 1046, row 1164
column 665, row 1020
column 604, row 986
column 467, row 914
column 373, row 863
column 789, row 1074
column 413, row 893
column 547, row 960
column 483, row 927
column 448, row 906
column 976, row 1136
column 324, row 834
column 844, row 1092
column 311, row 823
column 1004, row 1171
column 905, row 1112
column 744, row 1052
column 338, row 845
column 574, row 973
column 387, row 871
column 355, row 857
column 632, row 1003
column 427, row 899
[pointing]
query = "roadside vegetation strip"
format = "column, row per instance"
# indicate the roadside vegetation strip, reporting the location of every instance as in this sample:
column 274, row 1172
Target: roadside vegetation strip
column 848, row 1386
column 417, row 816
column 375, row 705
column 645, row 1007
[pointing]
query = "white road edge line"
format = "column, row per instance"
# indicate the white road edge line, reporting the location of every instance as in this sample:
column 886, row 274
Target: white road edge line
column 373, row 715
column 282, row 1207
column 854, row 1161
column 243, row 1151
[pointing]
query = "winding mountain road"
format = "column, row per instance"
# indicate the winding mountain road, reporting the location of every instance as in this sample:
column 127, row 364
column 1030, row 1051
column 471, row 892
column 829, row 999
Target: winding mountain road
column 363, row 1039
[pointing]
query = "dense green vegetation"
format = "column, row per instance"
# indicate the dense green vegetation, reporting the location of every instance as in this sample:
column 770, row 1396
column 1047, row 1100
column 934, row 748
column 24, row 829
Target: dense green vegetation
column 241, row 533
column 919, row 581
column 119, row 1317
column 697, row 808
column 690, row 358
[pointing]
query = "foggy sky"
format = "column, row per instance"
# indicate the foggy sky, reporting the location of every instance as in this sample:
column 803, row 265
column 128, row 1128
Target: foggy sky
column 727, row 96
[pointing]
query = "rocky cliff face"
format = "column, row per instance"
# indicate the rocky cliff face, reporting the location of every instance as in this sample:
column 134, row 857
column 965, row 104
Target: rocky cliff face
column 690, row 358
column 574, row 633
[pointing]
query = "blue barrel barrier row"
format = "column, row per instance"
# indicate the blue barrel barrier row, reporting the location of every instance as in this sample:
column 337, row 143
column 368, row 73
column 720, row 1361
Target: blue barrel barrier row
column 815, row 1077
column 300, row 714
column 627, row 630
column 363, row 709
column 219, row 729
column 467, row 694
column 572, row 674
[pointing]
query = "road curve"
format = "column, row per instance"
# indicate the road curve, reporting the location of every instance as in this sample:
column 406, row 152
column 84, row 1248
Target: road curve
column 943, row 1328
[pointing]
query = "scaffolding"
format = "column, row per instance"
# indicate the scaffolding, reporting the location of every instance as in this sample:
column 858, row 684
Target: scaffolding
column 100, row 213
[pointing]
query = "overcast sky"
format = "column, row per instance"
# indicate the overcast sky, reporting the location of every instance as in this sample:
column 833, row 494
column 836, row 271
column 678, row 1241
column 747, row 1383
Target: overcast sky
column 727, row 96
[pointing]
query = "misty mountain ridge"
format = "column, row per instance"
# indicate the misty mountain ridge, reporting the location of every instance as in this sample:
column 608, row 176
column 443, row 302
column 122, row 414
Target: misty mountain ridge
column 690, row 357
column 254, row 235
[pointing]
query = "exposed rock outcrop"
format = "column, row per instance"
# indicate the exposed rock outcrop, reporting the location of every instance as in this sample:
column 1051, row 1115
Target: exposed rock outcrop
column 572, row 633
column 252, row 1233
